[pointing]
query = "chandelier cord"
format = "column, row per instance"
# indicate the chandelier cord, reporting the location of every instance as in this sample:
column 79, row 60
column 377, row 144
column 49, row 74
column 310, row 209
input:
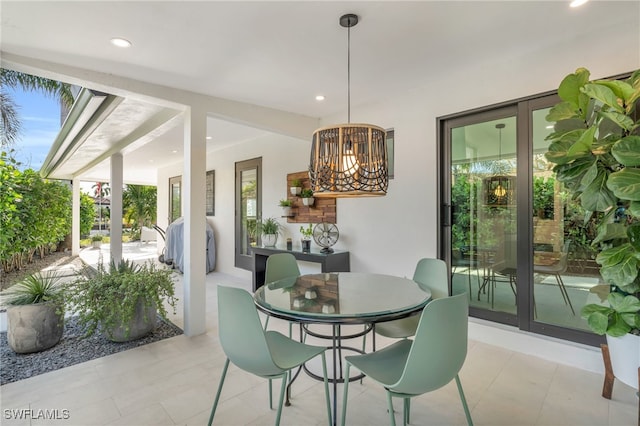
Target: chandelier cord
column 349, row 74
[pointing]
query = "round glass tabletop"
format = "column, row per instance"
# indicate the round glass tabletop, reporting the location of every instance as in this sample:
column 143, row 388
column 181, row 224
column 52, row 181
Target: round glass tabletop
column 341, row 297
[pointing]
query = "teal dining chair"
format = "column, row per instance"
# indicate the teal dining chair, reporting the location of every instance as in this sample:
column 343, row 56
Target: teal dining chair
column 266, row 354
column 434, row 357
column 430, row 274
column 280, row 266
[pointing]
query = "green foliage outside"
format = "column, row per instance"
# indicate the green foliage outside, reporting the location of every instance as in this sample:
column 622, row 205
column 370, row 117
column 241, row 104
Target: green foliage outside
column 87, row 214
column 543, row 197
column 35, row 214
column 140, row 205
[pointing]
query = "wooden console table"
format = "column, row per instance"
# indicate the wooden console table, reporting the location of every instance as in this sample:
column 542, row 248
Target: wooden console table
column 338, row 261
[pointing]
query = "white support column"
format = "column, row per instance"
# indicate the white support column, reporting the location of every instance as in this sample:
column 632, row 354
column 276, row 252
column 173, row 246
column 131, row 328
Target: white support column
column 195, row 256
column 75, row 217
column 116, row 207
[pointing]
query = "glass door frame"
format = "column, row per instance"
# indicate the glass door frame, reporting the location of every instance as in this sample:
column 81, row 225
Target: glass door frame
column 522, row 109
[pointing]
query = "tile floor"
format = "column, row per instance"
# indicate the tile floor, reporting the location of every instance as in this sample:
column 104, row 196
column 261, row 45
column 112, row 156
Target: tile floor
column 173, row 382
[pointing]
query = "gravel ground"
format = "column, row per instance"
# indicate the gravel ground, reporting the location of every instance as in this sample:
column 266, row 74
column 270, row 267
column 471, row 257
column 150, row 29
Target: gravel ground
column 72, row 349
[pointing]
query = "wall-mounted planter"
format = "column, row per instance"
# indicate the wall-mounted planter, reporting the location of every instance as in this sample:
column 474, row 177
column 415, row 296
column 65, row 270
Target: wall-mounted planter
column 295, row 190
column 308, row 201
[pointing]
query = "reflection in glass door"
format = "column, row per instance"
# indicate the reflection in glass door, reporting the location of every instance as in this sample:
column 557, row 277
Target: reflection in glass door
column 564, row 267
column 483, row 213
column 248, row 210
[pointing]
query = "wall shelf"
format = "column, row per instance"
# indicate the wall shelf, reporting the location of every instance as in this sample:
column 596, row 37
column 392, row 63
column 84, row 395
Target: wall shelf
column 322, row 210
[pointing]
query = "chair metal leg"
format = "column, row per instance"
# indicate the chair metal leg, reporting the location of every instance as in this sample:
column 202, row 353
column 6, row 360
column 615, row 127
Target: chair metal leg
column 270, row 396
column 565, row 295
column 283, row 387
column 215, row 402
column 464, row 401
column 407, row 411
column 392, row 417
column 326, row 386
column 344, row 395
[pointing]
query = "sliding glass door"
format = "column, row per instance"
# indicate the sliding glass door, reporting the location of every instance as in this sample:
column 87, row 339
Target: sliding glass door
column 516, row 243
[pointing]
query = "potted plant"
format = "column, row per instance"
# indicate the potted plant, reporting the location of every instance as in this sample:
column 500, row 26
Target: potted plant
column 269, row 229
column 596, row 150
column 286, row 207
column 96, row 240
column 35, row 312
column 296, row 186
column 122, row 301
column 307, row 233
column 307, row 197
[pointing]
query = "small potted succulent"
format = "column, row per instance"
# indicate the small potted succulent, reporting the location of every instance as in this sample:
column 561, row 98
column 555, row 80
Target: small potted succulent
column 286, row 207
column 307, row 197
column 307, row 233
column 296, row 186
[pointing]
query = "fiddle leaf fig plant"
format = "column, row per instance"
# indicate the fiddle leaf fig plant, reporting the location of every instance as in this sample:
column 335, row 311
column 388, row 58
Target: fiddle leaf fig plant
column 595, row 147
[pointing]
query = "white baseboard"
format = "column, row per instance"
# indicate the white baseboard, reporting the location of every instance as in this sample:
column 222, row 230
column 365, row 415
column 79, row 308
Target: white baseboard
column 556, row 350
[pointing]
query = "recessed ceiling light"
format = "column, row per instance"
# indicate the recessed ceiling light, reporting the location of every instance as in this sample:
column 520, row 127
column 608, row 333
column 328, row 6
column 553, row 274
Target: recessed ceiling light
column 120, row 42
column 175, row 151
column 577, row 3
column 549, row 127
column 320, row 98
column 209, row 138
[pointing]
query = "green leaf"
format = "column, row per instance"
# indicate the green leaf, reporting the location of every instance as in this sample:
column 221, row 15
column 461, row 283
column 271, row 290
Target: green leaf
column 596, row 197
column 620, row 119
column 569, row 89
column 624, row 304
column 633, row 233
column 620, row 89
column 598, row 322
column 625, row 184
column 604, row 95
column 575, row 170
column 627, row 151
column 618, row 326
column 583, row 145
column 610, row 232
column 619, row 265
column 562, row 111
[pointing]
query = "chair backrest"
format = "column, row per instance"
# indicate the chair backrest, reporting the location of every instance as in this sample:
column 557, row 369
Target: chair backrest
column 279, row 266
column 439, row 347
column 241, row 333
column 431, row 274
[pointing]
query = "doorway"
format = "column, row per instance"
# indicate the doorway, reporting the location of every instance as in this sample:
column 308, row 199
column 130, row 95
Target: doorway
column 514, row 241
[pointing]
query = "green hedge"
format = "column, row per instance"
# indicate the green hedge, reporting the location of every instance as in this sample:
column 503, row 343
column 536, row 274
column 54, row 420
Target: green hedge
column 35, row 214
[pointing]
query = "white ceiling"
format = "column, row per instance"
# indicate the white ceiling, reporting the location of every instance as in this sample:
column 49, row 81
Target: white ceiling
column 281, row 54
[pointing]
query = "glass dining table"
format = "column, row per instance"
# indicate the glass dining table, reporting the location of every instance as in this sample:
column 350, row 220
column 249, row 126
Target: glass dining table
column 338, row 299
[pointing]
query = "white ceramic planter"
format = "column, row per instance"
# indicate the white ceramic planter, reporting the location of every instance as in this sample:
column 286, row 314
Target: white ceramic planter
column 295, row 190
column 625, row 358
column 308, row 201
column 269, row 240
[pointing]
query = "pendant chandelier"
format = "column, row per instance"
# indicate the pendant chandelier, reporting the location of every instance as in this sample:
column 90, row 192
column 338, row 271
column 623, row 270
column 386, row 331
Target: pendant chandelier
column 349, row 160
column 499, row 190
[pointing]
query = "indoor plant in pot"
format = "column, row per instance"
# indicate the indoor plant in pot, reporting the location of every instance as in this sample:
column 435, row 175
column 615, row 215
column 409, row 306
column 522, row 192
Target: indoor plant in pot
column 307, row 197
column 269, row 230
column 296, row 186
column 307, row 233
column 286, row 207
column 35, row 312
column 122, row 301
column 596, row 150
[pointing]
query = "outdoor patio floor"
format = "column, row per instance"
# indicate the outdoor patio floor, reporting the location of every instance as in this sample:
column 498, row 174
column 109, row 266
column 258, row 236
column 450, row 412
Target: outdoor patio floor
column 173, row 382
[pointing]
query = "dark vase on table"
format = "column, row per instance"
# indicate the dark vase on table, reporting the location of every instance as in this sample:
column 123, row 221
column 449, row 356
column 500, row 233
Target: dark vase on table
column 306, row 246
